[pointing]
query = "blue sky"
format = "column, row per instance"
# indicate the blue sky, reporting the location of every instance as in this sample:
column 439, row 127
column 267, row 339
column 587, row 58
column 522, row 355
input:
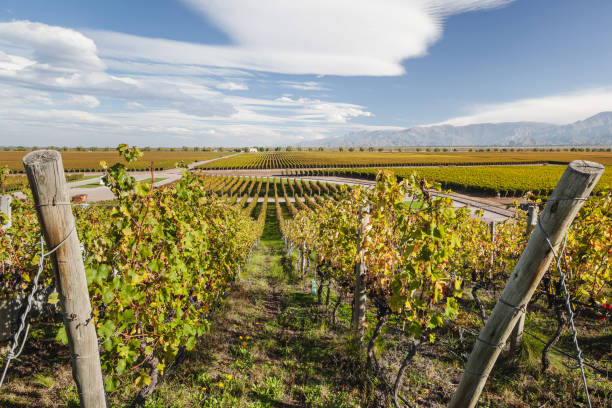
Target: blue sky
column 278, row 72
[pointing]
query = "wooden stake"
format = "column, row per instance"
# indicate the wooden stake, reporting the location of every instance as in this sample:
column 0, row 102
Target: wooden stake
column 5, row 208
column 359, row 294
column 532, row 218
column 516, row 338
column 46, row 176
column 574, row 187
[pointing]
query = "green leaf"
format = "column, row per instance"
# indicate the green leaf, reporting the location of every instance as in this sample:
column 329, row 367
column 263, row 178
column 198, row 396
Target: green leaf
column 53, row 298
column 62, row 336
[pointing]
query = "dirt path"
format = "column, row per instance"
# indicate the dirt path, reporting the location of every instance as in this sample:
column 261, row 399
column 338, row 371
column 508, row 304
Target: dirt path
column 268, row 346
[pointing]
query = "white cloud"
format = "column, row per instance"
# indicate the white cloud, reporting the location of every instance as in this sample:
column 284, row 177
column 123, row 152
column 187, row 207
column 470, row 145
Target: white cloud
column 57, row 59
column 314, row 109
column 232, row 86
column 87, row 101
column 57, row 46
column 325, row 37
column 558, row 109
column 304, row 86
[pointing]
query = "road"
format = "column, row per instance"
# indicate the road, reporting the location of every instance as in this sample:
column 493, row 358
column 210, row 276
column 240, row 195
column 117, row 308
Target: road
column 492, row 211
column 103, row 193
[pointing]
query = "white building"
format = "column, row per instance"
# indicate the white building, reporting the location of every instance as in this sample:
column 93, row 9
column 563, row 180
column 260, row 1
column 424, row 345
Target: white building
column 252, row 150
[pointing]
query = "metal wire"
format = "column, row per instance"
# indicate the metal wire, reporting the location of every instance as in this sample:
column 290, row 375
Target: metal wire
column 568, row 306
column 22, row 320
column 77, row 205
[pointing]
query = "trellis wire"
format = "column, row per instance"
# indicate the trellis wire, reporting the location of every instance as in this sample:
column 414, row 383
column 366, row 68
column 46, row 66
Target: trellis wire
column 568, row 306
column 22, row 320
column 475, row 335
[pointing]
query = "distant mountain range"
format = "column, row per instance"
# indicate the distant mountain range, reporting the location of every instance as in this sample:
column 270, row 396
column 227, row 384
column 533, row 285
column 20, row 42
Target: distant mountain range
column 593, row 131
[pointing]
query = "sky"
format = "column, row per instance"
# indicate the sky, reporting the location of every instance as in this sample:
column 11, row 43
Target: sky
column 282, row 72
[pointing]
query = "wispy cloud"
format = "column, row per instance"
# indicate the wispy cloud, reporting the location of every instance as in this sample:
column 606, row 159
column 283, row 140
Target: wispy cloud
column 323, row 37
column 559, row 109
column 63, row 82
column 304, row 86
column 57, row 59
column 232, row 86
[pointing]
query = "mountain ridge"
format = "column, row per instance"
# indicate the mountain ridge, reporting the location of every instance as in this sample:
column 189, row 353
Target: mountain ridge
column 595, row 130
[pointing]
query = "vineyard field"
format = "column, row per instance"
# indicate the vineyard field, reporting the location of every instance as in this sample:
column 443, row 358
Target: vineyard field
column 90, row 161
column 241, row 291
column 291, row 160
column 513, row 181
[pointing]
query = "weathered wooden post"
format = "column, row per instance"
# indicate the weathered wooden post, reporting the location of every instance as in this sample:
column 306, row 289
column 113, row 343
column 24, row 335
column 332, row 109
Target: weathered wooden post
column 359, row 293
column 575, row 185
column 516, row 338
column 492, row 231
column 45, row 173
column 8, row 309
column 5, row 208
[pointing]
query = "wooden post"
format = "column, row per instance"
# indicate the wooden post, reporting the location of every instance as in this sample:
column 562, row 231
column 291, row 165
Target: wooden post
column 359, row 293
column 574, row 187
column 492, row 230
column 45, row 173
column 5, row 208
column 516, row 338
column 532, row 218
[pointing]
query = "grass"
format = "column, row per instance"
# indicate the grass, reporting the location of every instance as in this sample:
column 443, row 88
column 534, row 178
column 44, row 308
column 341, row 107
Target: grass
column 268, row 346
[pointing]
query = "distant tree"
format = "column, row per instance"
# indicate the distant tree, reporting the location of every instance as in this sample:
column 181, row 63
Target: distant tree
column 351, row 149
column 399, row 149
column 147, row 149
column 445, row 149
column 382, row 149
column 428, row 149
column 454, row 149
column 289, row 148
column 321, row 149
column 436, row 149
column 362, row 149
column 185, row 148
column 196, row 149
column 299, row 149
column 418, row 149
column 370, row 149
column 310, row 149
column 341, row 149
